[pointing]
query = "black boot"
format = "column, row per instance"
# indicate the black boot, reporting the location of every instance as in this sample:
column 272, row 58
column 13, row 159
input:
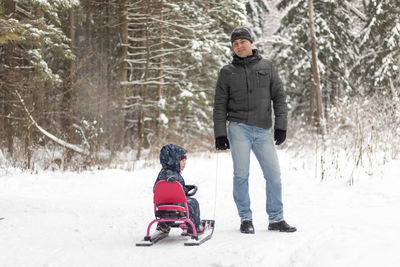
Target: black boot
column 281, row 226
column 163, row 227
column 246, row 227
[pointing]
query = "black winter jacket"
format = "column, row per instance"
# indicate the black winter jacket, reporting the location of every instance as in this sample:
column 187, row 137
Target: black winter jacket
column 244, row 92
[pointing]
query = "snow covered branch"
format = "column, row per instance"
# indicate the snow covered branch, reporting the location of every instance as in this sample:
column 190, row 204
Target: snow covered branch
column 49, row 135
column 355, row 11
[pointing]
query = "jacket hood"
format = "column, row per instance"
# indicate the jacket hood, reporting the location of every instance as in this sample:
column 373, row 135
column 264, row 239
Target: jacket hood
column 255, row 57
column 170, row 157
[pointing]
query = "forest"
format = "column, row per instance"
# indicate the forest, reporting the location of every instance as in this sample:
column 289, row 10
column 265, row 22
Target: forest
column 106, row 83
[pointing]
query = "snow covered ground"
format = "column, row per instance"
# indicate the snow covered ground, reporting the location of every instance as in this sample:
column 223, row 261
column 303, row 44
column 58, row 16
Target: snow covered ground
column 94, row 218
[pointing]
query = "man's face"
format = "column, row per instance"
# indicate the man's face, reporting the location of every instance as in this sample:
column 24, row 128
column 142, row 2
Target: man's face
column 242, row 48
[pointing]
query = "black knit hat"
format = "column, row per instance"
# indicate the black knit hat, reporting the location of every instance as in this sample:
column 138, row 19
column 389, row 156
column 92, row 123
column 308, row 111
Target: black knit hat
column 240, row 33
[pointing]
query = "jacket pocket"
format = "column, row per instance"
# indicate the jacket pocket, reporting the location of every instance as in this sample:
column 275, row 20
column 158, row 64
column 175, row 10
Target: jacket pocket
column 262, row 78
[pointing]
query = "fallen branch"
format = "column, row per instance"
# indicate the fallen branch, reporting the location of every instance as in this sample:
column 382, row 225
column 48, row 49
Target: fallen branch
column 49, row 135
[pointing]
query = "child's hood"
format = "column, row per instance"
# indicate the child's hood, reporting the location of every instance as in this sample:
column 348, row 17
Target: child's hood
column 170, row 156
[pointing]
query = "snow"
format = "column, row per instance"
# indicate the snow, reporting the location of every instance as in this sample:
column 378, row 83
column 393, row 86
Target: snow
column 163, row 118
column 94, row 218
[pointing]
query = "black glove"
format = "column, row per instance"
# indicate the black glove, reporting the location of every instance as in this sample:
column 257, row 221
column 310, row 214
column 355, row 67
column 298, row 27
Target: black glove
column 279, row 136
column 190, row 190
column 221, row 143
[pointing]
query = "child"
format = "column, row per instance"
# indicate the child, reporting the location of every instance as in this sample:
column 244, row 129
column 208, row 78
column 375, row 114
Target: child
column 173, row 161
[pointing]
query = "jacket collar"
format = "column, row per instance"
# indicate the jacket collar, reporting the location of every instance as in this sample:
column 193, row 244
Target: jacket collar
column 254, row 58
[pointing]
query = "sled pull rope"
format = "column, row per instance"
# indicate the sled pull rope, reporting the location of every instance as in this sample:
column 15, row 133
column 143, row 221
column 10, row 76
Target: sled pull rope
column 216, row 187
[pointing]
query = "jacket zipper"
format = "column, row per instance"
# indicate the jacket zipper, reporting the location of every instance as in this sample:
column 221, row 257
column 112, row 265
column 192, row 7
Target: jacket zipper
column 247, row 91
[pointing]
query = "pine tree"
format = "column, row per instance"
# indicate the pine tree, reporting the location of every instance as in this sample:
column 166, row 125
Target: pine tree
column 256, row 12
column 189, row 42
column 378, row 69
column 103, row 71
column 32, row 67
column 292, row 51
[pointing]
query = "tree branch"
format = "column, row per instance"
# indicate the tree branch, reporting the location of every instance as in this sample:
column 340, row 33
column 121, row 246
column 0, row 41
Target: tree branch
column 355, row 11
column 49, row 135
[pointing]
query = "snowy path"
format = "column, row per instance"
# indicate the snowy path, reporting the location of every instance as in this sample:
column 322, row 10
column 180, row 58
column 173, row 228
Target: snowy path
column 94, row 219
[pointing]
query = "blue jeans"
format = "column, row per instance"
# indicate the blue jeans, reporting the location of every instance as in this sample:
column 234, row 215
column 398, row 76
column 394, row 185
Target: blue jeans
column 243, row 138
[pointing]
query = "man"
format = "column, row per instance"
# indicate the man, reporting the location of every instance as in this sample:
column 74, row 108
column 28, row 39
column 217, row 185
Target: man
column 243, row 96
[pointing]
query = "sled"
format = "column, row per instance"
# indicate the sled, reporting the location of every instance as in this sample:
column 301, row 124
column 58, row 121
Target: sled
column 170, row 206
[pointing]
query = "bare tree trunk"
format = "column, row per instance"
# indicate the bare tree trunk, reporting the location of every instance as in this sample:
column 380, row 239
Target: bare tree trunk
column 111, row 122
column 142, row 109
column 67, row 106
column 8, row 110
column 36, row 90
column 316, row 81
column 160, row 66
column 319, row 120
column 100, row 72
column 107, row 50
column 312, row 104
column 123, row 13
column 9, row 10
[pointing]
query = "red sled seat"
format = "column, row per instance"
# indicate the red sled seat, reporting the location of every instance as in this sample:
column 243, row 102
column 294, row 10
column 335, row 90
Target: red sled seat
column 170, row 205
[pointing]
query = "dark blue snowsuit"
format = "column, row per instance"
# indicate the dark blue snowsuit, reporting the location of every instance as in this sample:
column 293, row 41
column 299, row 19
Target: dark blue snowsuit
column 170, row 157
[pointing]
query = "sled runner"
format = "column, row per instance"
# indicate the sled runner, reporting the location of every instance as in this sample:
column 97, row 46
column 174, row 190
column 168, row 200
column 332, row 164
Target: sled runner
column 170, row 206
